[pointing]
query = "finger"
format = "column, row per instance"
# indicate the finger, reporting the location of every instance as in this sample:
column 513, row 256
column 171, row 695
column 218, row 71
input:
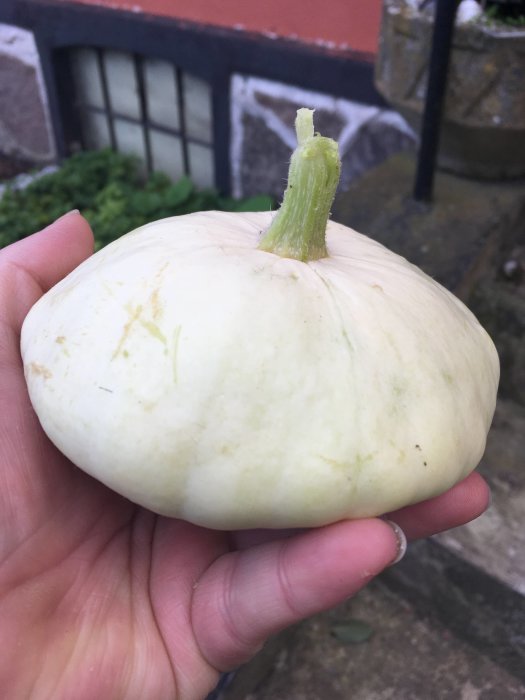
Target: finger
column 463, row 503
column 244, row 539
column 247, row 596
column 33, row 265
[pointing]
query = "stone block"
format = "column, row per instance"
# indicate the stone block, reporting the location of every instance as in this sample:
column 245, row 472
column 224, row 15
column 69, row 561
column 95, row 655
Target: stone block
column 263, row 137
column 25, row 133
column 499, row 303
column 455, row 239
column 483, row 127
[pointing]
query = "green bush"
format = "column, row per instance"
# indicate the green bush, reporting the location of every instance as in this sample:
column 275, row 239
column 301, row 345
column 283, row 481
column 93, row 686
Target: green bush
column 108, row 190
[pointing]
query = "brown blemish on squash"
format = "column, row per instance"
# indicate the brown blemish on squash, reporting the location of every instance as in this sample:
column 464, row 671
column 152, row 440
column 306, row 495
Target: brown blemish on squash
column 337, row 464
column 156, row 307
column 40, row 370
column 159, row 272
column 61, row 340
column 154, row 301
column 147, row 406
column 135, row 315
column 378, row 287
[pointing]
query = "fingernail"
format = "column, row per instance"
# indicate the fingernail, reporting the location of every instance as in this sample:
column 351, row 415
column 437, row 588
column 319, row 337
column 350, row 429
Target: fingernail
column 401, row 541
column 73, row 211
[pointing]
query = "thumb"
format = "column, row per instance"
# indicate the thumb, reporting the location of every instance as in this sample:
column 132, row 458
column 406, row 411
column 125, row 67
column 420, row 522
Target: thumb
column 33, row 265
column 245, row 597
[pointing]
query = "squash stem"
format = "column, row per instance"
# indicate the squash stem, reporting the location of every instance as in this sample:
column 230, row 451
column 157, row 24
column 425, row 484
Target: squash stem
column 299, row 227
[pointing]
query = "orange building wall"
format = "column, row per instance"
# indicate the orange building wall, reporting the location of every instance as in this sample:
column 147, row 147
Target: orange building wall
column 341, row 24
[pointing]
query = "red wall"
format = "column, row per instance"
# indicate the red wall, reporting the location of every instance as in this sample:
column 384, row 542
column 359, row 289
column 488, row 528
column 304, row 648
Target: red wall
column 344, row 24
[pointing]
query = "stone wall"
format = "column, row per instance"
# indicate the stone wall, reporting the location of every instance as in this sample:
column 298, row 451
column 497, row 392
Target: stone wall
column 263, row 114
column 25, row 130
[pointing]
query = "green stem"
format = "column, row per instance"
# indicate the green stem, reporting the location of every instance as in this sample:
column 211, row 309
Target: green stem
column 299, row 228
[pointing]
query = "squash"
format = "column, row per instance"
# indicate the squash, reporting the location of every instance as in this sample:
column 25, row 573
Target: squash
column 260, row 369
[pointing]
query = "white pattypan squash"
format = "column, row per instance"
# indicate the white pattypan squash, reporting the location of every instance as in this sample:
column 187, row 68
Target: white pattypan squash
column 234, row 378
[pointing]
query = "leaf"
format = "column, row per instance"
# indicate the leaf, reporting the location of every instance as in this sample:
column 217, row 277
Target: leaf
column 259, row 202
column 179, row 192
column 352, row 632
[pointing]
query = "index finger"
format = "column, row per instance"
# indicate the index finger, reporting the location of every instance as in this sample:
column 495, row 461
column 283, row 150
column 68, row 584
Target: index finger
column 461, row 504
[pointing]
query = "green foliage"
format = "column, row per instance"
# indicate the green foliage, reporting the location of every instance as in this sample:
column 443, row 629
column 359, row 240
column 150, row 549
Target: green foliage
column 508, row 14
column 107, row 188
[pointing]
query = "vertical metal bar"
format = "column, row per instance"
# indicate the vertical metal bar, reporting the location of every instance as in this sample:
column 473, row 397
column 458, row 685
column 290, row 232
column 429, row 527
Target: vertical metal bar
column 141, row 88
column 221, row 131
column 182, row 119
column 107, row 100
column 70, row 101
column 435, row 98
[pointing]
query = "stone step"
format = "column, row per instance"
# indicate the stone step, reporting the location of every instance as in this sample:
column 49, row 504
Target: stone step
column 495, row 543
column 455, row 239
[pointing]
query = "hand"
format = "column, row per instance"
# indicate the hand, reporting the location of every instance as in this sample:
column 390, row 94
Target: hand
column 100, row 598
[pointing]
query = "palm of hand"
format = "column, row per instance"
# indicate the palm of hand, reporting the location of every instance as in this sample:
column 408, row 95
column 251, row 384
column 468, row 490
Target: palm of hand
column 100, row 598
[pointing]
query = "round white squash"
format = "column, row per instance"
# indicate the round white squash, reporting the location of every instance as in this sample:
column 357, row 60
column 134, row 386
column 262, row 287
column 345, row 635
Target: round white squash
column 207, row 379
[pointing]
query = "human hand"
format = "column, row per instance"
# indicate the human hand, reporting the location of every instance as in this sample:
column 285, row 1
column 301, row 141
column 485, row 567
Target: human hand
column 100, row 598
